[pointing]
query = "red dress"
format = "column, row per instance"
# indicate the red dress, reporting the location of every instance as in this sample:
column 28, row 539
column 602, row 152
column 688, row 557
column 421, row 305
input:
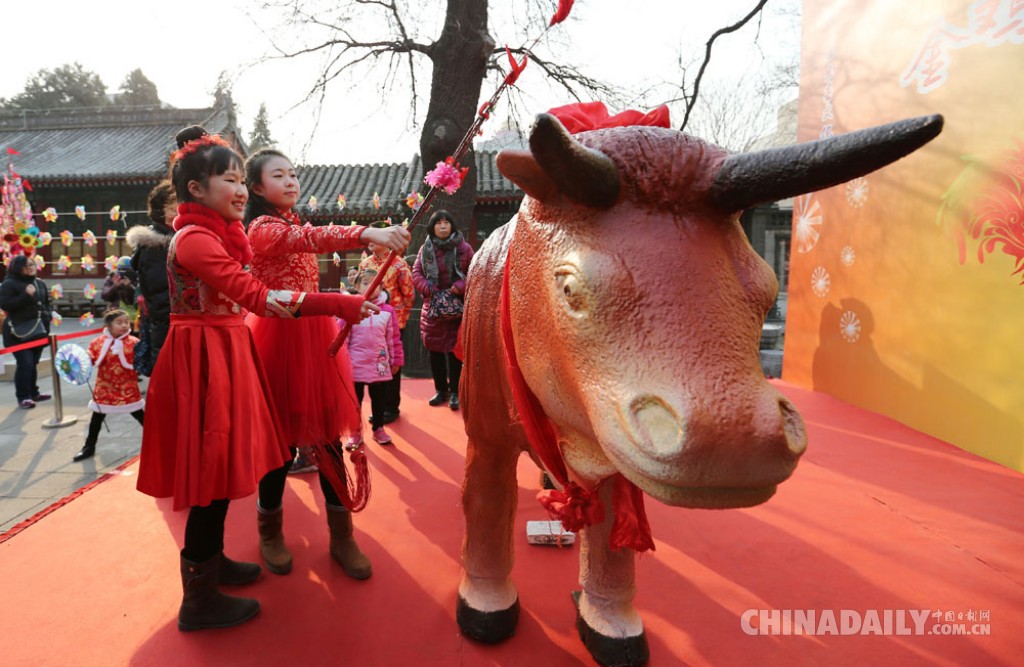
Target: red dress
column 313, row 393
column 211, row 431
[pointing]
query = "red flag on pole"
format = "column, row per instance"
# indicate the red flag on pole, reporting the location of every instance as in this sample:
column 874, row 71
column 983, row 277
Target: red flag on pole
column 564, row 7
column 11, row 151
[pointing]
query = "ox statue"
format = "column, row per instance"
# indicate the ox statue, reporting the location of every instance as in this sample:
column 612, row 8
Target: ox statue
column 617, row 317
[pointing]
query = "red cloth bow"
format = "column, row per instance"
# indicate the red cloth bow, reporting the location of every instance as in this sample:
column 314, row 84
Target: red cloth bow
column 585, row 116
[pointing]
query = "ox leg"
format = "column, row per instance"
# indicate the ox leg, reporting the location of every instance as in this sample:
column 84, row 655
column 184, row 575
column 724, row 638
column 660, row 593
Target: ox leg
column 488, row 606
column 606, row 620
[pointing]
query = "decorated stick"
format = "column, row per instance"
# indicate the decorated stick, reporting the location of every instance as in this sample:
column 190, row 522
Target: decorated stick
column 448, row 175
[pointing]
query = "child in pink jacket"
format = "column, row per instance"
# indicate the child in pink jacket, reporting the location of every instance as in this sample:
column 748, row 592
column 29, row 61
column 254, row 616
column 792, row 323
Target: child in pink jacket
column 375, row 348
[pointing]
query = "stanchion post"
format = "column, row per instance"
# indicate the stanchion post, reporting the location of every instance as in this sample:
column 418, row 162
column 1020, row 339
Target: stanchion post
column 59, row 420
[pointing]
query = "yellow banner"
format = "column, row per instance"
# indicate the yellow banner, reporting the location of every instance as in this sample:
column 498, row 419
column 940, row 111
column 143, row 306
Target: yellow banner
column 906, row 287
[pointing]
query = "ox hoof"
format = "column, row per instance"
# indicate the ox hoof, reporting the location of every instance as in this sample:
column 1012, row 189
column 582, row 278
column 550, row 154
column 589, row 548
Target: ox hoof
column 487, row 626
column 611, row 651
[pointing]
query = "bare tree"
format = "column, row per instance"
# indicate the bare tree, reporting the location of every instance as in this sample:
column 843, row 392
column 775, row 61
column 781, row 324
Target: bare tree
column 734, row 113
column 395, row 37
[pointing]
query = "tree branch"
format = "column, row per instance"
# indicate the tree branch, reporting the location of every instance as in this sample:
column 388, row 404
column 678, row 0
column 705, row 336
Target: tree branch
column 707, row 57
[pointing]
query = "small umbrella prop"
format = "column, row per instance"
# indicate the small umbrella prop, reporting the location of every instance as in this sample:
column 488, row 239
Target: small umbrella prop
column 75, row 367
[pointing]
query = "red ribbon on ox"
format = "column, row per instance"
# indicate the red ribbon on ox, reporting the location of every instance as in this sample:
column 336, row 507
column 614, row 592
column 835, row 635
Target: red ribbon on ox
column 575, row 506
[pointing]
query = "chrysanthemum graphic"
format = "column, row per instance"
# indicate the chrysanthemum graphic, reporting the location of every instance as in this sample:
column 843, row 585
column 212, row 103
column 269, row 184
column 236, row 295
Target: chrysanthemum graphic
column 820, row 281
column 849, row 326
column 808, row 219
column 857, row 192
column 847, row 256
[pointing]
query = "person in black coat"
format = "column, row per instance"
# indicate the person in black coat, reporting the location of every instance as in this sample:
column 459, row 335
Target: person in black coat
column 26, row 301
column 149, row 260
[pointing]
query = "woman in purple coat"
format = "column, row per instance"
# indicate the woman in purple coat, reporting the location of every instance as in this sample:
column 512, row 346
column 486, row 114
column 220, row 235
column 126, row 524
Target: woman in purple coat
column 441, row 265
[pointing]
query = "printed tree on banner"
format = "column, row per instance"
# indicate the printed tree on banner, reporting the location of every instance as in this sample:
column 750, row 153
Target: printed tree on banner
column 18, row 230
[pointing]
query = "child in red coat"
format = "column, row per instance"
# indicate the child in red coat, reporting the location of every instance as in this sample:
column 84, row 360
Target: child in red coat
column 117, row 383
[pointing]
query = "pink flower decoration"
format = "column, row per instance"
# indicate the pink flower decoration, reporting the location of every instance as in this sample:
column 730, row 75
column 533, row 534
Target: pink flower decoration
column 444, row 176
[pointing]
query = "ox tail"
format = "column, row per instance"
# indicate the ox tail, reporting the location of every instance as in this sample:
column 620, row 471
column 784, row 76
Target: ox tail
column 746, row 179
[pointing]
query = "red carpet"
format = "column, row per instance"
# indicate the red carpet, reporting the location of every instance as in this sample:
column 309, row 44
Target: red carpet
column 877, row 517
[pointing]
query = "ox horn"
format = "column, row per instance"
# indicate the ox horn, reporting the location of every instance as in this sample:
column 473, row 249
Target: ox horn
column 582, row 174
column 746, row 179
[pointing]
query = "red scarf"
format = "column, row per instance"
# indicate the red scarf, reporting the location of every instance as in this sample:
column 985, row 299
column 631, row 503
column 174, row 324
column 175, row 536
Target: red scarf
column 575, row 506
column 231, row 233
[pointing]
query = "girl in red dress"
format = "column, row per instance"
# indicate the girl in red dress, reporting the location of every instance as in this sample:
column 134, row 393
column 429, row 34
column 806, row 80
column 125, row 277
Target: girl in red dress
column 117, row 383
column 212, row 433
column 313, row 393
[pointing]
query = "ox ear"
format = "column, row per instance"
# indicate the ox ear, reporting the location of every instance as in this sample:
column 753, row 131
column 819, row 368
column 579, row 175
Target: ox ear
column 746, row 179
column 520, row 168
column 584, row 175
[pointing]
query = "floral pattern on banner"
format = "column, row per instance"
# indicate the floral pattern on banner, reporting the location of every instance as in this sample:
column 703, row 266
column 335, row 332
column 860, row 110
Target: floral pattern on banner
column 985, row 206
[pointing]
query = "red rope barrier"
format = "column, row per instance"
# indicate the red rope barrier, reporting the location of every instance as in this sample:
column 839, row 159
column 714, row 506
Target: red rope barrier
column 46, row 341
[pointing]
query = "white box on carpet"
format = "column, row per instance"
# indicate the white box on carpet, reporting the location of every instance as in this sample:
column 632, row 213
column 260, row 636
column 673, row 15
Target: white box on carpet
column 549, row 533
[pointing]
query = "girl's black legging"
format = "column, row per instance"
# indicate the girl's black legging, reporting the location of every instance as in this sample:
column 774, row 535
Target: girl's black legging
column 204, row 531
column 97, row 422
column 272, row 486
column 378, row 401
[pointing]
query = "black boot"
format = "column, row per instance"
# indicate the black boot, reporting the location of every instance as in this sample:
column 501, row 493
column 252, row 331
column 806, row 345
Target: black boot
column 85, row 452
column 203, row 605
column 453, row 402
column 235, row 573
column 440, row 398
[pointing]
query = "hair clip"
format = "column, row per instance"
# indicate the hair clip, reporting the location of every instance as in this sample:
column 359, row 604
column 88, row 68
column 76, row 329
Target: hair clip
column 195, row 144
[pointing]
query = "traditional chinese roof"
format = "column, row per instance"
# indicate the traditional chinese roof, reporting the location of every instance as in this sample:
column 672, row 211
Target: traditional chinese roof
column 110, row 146
column 115, row 146
column 392, row 182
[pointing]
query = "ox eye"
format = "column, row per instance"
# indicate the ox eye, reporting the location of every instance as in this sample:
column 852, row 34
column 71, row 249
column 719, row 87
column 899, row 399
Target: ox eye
column 572, row 290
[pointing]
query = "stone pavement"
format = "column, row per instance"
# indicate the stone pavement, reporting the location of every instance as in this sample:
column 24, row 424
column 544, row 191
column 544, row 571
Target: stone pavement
column 36, row 469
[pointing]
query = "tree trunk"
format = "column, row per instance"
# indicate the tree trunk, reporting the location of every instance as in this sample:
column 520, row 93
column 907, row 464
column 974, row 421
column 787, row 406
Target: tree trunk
column 459, row 60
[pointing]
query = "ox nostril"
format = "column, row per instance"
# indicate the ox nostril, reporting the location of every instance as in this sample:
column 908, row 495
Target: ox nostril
column 656, row 427
column 793, row 428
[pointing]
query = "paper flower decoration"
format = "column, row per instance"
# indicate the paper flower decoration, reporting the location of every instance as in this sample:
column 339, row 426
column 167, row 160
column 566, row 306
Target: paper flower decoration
column 45, row 238
column 55, row 318
column 64, row 263
column 336, row 259
column 405, row 223
column 39, row 262
column 312, row 204
column 115, row 213
column 27, row 241
column 66, row 238
column 414, row 200
column 447, row 176
column 80, row 212
column 376, row 201
column 89, row 238
column 72, row 362
column 57, row 291
column 50, row 214
column 87, row 263
column 86, row 320
column 341, row 202
column 110, row 263
column 89, row 291
column 111, row 236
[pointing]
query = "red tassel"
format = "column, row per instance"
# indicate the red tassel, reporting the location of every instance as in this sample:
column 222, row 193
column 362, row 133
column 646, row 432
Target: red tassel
column 630, row 528
column 574, row 506
column 330, row 460
column 564, row 7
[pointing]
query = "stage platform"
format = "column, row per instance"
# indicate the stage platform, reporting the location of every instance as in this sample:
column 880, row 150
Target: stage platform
column 877, row 517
